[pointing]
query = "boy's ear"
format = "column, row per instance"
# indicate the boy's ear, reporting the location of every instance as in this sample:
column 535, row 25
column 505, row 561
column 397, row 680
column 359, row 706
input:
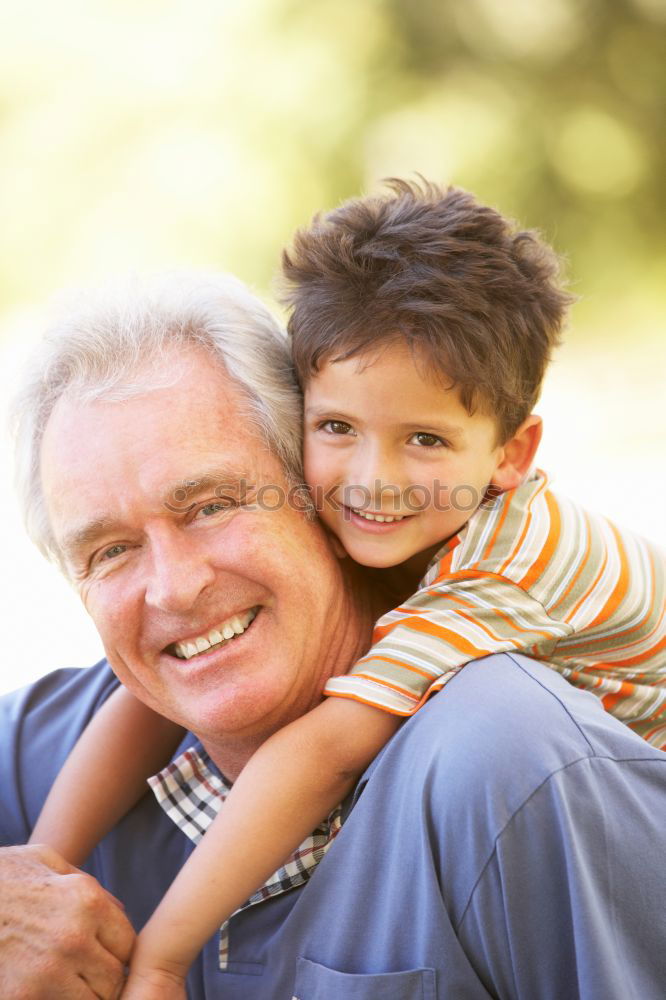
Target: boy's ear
column 517, row 455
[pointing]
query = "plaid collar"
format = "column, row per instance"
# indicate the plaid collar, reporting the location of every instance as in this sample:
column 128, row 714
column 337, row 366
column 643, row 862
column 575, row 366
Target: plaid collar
column 191, row 793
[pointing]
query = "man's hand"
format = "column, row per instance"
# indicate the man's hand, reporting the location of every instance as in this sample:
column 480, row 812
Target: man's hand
column 61, row 934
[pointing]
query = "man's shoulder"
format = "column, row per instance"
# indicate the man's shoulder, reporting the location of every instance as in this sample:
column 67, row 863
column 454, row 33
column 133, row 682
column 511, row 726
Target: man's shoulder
column 39, row 725
column 500, row 729
column 62, row 697
column 509, row 702
column 506, row 740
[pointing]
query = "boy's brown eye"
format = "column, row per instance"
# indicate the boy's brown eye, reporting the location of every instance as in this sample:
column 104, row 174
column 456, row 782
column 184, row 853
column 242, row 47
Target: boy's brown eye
column 336, row 427
column 427, row 440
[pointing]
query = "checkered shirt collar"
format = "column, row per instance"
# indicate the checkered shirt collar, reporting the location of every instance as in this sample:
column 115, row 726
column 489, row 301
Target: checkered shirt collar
column 191, row 793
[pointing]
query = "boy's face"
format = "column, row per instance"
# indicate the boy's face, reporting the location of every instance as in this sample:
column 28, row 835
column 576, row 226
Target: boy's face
column 397, row 463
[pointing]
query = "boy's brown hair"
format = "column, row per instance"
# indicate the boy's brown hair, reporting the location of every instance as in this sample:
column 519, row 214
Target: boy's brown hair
column 477, row 300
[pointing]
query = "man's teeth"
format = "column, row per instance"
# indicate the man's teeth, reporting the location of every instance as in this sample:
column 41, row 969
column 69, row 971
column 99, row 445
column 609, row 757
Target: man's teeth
column 229, row 629
column 378, row 517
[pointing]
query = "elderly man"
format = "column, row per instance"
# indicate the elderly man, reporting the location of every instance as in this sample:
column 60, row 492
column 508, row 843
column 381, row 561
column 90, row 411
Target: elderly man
column 504, row 845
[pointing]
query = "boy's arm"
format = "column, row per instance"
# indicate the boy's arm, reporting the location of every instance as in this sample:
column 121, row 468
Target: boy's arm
column 105, row 775
column 287, row 788
column 419, row 646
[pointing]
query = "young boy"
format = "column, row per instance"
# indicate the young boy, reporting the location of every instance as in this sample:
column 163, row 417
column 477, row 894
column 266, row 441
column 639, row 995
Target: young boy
column 421, row 326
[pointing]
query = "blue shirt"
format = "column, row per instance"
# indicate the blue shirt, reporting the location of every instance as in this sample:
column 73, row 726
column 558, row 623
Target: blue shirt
column 508, row 842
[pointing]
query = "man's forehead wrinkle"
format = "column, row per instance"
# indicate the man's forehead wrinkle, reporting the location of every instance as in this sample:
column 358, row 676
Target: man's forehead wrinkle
column 206, row 479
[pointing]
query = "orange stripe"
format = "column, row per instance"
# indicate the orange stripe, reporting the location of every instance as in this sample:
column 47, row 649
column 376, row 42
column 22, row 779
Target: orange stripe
column 498, row 528
column 634, row 628
column 658, row 712
column 408, row 611
column 398, row 663
column 621, row 586
column 627, row 690
column 590, row 589
column 653, row 732
column 511, row 622
column 372, row 704
column 485, row 628
column 443, row 596
column 435, row 686
column 464, row 574
column 474, row 574
column 640, row 658
column 445, row 564
column 552, row 540
column 461, row 644
column 440, row 632
column 407, row 692
column 436, row 592
column 380, row 631
column 580, row 568
column 526, row 527
column 514, row 625
column 590, row 646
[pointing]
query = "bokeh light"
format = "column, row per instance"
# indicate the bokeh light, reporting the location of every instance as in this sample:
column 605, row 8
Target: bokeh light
column 143, row 135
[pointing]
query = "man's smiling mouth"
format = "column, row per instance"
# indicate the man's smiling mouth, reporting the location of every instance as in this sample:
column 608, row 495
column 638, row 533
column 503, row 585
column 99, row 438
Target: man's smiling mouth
column 226, row 632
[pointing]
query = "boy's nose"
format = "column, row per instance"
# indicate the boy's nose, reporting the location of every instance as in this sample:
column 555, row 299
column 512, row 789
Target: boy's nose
column 374, row 483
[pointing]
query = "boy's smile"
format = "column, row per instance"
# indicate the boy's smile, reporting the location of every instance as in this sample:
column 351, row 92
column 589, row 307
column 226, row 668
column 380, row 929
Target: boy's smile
column 399, row 461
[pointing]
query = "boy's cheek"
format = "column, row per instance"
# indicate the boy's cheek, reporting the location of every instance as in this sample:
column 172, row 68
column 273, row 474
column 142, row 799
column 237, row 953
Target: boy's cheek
column 318, row 471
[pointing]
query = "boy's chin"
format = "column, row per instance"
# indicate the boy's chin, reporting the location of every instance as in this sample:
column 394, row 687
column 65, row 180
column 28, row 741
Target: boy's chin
column 380, row 556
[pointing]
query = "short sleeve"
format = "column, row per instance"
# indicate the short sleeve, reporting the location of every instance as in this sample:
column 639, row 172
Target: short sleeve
column 421, row 645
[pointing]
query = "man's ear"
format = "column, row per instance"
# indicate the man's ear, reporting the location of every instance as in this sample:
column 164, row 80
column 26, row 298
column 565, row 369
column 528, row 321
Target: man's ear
column 339, row 550
column 517, row 455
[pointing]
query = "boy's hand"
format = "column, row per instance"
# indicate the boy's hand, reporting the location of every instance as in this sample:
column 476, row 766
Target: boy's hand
column 155, row 973
column 154, row 984
column 61, row 934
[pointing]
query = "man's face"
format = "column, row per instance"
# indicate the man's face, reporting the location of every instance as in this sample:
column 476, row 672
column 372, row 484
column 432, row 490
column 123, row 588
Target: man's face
column 154, row 503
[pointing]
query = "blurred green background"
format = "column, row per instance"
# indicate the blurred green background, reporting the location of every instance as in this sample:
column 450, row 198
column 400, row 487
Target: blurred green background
column 143, row 133
column 137, row 134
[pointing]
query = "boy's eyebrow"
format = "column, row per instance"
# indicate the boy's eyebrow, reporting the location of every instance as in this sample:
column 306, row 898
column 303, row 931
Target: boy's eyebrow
column 321, row 411
column 448, row 430
column 178, row 496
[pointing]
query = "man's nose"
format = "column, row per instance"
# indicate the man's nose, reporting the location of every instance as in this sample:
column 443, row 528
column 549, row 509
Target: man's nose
column 180, row 572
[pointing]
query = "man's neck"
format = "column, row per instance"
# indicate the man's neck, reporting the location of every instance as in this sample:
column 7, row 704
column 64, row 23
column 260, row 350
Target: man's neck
column 351, row 623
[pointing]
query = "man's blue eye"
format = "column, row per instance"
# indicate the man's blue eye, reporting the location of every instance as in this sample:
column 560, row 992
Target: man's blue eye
column 215, row 507
column 211, row 508
column 114, row 550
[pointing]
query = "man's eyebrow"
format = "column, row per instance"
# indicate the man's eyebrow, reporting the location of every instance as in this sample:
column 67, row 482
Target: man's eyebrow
column 79, row 538
column 179, row 494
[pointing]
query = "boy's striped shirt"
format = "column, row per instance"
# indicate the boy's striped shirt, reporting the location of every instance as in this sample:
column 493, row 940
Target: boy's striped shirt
column 530, row 573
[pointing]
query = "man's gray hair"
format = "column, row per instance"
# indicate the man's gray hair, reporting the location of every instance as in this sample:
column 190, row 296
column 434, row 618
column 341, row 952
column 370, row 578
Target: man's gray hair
column 110, row 344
